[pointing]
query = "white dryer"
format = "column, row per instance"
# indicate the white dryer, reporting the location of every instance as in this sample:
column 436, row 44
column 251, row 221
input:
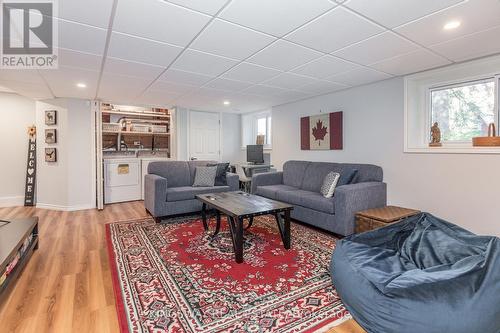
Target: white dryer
column 122, row 179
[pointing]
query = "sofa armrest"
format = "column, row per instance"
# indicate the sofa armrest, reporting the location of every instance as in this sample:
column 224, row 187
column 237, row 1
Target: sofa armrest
column 155, row 193
column 350, row 199
column 266, row 178
column 233, row 181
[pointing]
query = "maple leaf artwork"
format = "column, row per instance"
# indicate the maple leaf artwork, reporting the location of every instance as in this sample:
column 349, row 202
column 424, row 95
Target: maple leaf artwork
column 319, row 132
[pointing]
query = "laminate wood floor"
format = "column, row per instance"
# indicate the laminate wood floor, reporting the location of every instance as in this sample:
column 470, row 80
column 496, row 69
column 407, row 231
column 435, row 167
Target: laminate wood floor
column 66, row 286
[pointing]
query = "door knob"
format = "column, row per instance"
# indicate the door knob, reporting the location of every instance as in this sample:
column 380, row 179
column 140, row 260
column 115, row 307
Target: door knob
column 193, row 158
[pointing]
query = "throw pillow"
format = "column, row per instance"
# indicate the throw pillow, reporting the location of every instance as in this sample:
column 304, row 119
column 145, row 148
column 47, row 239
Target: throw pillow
column 329, row 184
column 204, row 176
column 347, row 178
column 220, row 177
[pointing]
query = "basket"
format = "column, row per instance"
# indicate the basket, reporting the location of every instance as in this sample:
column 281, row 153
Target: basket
column 487, row 141
column 140, row 128
column 111, row 127
column 158, row 128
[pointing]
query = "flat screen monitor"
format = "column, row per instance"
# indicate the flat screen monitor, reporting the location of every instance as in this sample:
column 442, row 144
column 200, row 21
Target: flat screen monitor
column 255, row 154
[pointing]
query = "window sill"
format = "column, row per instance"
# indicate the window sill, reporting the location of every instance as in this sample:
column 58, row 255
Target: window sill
column 265, row 148
column 453, row 150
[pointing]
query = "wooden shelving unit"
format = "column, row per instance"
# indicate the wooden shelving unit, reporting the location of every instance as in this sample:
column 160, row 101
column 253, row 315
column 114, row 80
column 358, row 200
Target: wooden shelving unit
column 136, row 133
column 137, row 114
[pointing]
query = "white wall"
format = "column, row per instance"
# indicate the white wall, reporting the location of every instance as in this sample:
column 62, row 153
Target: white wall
column 231, row 137
column 67, row 184
column 463, row 189
column 17, row 113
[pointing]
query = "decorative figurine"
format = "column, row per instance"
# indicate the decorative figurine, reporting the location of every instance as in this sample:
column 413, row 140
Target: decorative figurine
column 435, row 136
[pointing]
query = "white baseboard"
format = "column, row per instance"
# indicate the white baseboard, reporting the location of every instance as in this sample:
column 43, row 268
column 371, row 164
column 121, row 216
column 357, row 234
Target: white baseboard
column 11, row 201
column 65, row 208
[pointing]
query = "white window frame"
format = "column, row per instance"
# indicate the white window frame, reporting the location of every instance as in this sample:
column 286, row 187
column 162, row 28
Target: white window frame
column 417, row 104
column 492, row 78
column 252, row 128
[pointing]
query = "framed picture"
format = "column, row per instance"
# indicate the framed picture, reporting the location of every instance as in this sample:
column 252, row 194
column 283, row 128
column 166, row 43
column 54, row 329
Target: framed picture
column 50, row 155
column 51, row 135
column 51, row 117
column 322, row 132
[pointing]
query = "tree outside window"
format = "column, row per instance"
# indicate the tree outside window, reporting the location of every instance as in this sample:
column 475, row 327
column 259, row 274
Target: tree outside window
column 465, row 111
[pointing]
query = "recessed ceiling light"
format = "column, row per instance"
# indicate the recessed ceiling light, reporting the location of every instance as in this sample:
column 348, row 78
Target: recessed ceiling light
column 451, row 25
column 227, row 102
column 81, row 85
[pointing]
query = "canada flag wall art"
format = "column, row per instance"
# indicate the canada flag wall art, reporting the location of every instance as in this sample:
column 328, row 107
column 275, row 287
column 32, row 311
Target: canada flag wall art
column 321, row 132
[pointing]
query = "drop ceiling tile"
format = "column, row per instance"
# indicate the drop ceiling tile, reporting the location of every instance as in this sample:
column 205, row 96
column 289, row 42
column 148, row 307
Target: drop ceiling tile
column 411, row 63
column 194, row 79
column 142, row 50
column 392, row 13
column 251, row 73
column 263, row 90
column 129, row 68
column 325, row 66
column 70, row 58
column 93, row 12
column 35, row 91
column 322, row 87
column 26, row 75
column 203, row 63
column 158, row 20
column 120, row 88
column 228, row 85
column 156, row 98
column 471, row 46
column 171, row 88
column 289, row 81
column 230, row 40
column 334, row 30
column 359, row 76
column 284, row 56
column 376, row 48
column 289, row 96
column 262, row 14
column 209, row 7
column 63, row 82
column 81, row 37
column 475, row 16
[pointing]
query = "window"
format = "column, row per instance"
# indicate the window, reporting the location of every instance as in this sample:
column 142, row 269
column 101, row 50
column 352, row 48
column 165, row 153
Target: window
column 462, row 98
column 254, row 124
column 264, row 128
column 465, row 110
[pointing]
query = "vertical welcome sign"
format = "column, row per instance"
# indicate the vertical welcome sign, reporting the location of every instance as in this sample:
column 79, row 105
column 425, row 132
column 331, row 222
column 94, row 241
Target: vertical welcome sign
column 29, row 193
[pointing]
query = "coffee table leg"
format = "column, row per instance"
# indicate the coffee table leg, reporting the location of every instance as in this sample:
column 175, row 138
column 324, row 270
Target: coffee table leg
column 238, row 251
column 217, row 226
column 204, row 216
column 250, row 222
column 284, row 228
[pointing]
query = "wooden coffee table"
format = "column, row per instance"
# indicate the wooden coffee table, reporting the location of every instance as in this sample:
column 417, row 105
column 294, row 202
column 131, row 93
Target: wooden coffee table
column 238, row 206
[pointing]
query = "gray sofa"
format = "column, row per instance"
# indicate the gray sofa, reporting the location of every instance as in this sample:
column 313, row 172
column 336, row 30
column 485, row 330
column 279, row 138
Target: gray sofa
column 300, row 182
column 168, row 190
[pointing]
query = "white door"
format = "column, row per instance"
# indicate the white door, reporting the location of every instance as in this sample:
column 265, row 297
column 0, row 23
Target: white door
column 204, row 136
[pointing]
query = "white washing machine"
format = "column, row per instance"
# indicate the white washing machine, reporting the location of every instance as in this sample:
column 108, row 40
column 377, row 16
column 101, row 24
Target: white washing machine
column 122, row 180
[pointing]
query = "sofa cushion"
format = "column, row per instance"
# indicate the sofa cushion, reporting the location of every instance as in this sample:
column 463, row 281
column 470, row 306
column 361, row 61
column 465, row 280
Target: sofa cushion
column 366, row 172
column 192, row 168
column 308, row 199
column 176, row 172
column 347, row 177
column 189, row 192
column 315, row 174
column 205, row 176
column 293, row 172
column 270, row 191
column 220, row 177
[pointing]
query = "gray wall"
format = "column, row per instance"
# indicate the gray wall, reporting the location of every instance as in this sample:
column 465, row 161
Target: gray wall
column 461, row 188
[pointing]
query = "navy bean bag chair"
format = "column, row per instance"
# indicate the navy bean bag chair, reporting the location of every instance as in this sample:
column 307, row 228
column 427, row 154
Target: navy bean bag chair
column 420, row 275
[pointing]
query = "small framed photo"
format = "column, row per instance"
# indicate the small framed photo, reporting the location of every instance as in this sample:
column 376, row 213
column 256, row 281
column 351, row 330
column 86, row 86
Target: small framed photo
column 51, row 117
column 50, row 155
column 51, row 135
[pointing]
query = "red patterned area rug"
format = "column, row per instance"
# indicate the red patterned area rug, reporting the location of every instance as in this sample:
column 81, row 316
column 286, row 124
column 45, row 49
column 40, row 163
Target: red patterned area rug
column 173, row 277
